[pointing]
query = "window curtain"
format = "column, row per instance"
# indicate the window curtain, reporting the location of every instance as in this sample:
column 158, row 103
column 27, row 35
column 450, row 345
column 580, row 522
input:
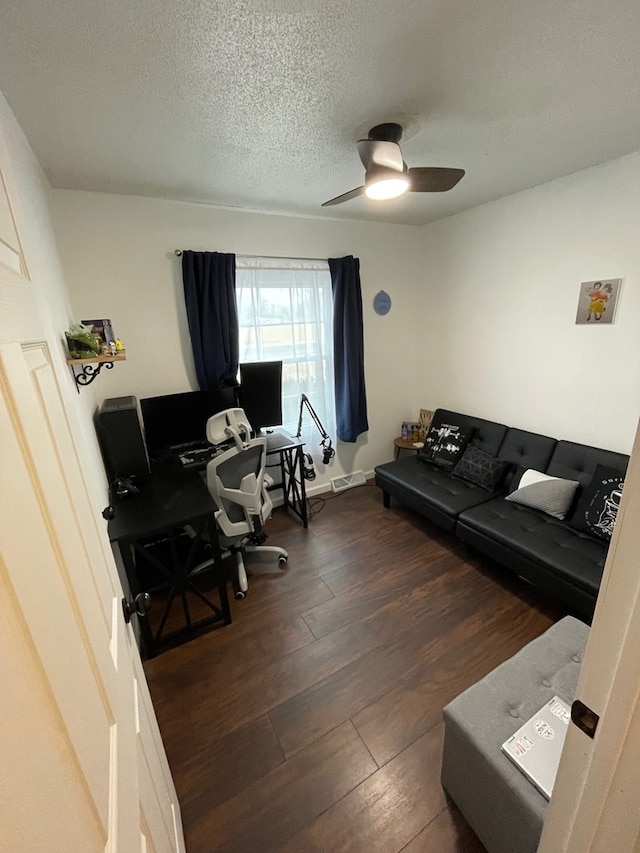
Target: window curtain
column 285, row 313
column 209, row 280
column 348, row 348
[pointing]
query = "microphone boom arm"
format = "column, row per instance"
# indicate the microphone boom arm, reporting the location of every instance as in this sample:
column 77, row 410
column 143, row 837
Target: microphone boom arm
column 328, row 450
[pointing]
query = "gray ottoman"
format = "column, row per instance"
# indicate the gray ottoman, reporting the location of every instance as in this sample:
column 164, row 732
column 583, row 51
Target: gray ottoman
column 502, row 807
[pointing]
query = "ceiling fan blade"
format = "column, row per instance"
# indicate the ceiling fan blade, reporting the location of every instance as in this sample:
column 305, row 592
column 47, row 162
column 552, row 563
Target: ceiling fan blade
column 377, row 152
column 433, row 179
column 344, row 197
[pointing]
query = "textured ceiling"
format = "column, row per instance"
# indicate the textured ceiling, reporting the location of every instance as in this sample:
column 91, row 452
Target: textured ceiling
column 258, row 104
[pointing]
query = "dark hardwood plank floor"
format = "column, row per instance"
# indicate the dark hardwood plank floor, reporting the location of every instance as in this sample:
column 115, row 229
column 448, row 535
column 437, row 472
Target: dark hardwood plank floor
column 314, row 721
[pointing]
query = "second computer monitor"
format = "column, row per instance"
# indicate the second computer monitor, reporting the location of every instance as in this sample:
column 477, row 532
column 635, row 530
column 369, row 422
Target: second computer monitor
column 260, row 393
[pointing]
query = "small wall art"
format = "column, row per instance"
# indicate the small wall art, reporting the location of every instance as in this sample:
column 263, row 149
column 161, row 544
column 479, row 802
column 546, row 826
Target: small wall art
column 382, row 303
column 597, row 301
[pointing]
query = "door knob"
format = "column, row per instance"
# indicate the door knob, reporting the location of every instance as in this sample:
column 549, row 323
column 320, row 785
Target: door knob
column 140, row 606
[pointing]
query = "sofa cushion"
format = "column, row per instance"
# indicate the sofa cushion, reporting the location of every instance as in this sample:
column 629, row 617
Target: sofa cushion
column 481, row 468
column 526, row 449
column 552, row 495
column 579, row 461
column 541, row 538
column 431, row 490
column 597, row 508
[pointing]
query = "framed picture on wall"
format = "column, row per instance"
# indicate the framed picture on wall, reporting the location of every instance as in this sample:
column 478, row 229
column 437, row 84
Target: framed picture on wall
column 597, row 301
column 101, row 328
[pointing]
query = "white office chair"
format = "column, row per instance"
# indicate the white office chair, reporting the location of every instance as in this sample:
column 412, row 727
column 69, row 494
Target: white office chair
column 238, row 483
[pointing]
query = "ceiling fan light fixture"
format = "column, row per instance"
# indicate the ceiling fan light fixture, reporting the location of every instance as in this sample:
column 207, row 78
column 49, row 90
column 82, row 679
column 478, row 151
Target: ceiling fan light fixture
column 385, row 188
column 383, row 182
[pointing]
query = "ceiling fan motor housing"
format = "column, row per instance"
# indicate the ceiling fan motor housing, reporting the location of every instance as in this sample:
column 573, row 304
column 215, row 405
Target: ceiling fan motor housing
column 388, row 132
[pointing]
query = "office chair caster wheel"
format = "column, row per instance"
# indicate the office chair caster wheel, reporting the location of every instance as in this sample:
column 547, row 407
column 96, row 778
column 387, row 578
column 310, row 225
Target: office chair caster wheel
column 282, row 560
column 240, row 594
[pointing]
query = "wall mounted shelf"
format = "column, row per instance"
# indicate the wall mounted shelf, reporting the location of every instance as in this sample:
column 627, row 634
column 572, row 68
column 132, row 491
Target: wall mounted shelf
column 89, row 368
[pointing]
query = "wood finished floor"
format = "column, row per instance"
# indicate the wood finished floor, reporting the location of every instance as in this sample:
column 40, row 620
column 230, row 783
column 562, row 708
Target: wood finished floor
column 314, row 721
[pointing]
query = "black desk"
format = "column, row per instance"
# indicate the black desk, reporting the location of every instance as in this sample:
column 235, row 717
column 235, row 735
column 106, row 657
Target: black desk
column 159, row 557
column 292, row 477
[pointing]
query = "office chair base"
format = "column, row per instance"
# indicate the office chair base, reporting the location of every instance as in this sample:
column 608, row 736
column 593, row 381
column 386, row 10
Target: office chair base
column 243, row 585
column 283, row 555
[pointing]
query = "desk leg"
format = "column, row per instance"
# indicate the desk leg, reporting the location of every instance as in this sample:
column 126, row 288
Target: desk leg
column 299, row 464
column 293, row 482
column 174, row 567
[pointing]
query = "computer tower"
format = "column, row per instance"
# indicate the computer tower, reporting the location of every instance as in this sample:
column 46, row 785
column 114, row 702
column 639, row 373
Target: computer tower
column 122, row 440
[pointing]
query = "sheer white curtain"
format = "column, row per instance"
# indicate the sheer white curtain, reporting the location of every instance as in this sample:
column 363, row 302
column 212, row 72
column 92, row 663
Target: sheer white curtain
column 285, row 313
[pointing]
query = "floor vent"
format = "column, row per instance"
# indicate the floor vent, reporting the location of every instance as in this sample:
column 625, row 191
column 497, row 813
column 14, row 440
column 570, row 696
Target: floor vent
column 339, row 484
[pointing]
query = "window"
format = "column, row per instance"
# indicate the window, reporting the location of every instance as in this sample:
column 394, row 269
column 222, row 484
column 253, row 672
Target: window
column 285, row 313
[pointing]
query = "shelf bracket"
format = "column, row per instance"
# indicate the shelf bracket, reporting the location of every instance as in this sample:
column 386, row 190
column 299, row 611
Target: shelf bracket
column 88, row 372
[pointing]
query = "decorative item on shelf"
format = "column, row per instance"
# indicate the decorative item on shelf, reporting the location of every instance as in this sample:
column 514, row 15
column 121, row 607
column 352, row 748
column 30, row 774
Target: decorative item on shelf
column 104, row 333
column 82, row 342
column 92, row 346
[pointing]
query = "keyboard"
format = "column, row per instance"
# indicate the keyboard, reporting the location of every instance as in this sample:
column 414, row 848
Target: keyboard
column 199, row 456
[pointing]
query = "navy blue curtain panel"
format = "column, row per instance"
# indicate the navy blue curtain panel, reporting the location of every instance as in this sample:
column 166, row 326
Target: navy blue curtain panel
column 348, row 348
column 209, row 280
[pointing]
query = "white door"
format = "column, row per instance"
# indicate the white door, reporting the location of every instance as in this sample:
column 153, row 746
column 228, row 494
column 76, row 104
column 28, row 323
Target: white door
column 83, row 767
column 596, row 798
column 86, row 768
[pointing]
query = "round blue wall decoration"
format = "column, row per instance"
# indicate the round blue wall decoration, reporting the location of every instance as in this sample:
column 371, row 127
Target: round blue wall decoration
column 382, row 303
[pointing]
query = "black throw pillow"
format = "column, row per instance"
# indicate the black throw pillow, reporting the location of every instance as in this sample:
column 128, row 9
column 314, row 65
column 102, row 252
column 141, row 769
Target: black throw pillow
column 481, row 468
column 597, row 509
column 445, row 444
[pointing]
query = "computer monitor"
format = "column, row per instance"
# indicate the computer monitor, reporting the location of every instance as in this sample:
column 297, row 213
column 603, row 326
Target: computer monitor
column 260, row 393
column 174, row 420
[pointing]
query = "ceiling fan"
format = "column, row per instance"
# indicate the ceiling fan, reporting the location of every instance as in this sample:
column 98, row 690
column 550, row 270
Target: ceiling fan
column 386, row 173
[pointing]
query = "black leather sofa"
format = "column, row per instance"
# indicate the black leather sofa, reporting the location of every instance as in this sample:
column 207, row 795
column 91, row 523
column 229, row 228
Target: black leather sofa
column 544, row 550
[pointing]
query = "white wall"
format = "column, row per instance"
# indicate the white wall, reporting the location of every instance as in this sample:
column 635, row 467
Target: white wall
column 502, row 282
column 483, row 303
column 29, row 194
column 118, row 254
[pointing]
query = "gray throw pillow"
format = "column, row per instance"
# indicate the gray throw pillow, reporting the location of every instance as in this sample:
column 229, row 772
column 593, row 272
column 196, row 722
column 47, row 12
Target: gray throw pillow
column 548, row 494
